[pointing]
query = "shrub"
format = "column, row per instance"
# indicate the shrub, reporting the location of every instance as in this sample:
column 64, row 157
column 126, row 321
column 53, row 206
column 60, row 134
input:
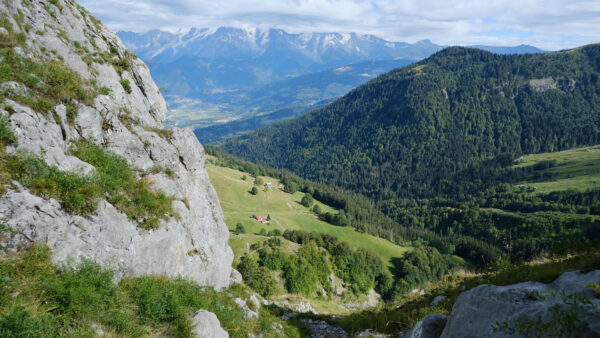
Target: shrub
column 20, row 323
column 300, row 277
column 317, row 209
column 307, row 200
column 82, row 291
column 258, row 181
column 254, row 191
column 6, row 134
column 239, row 229
column 257, row 277
column 274, row 232
column 290, row 187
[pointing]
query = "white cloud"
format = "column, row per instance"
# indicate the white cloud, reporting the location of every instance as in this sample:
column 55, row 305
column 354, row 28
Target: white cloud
column 549, row 24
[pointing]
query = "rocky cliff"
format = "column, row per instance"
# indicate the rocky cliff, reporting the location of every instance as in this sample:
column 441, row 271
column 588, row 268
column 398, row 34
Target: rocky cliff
column 119, row 108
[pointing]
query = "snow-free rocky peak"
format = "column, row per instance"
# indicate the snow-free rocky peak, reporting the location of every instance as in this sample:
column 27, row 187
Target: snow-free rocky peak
column 126, row 118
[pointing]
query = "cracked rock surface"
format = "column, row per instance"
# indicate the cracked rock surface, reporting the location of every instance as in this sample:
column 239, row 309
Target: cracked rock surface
column 193, row 246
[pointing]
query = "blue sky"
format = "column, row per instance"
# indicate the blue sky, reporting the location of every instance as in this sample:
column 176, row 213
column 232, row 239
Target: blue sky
column 548, row 24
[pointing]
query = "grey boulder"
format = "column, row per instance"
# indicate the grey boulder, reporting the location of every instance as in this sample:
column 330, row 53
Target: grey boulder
column 207, row 325
column 429, row 327
column 496, row 311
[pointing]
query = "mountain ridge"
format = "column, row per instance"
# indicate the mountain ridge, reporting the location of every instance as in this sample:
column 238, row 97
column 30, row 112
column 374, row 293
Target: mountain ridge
column 153, row 44
column 210, row 75
column 454, row 98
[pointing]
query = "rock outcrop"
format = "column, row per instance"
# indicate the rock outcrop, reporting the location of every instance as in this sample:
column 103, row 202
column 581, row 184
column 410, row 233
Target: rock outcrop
column 126, row 118
column 566, row 307
column 437, row 300
column 481, row 312
column 322, row 329
column 429, row 327
column 206, row 325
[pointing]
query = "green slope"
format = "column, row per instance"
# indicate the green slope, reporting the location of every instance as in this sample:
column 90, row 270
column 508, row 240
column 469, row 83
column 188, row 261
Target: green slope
column 577, row 169
column 286, row 212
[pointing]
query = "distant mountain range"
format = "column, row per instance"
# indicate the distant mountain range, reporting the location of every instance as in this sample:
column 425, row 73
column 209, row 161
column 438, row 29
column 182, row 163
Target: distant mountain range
column 215, row 76
column 287, row 54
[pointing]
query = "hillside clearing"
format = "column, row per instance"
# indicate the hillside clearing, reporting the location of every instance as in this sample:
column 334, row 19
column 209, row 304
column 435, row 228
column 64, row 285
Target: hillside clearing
column 577, row 169
column 286, row 213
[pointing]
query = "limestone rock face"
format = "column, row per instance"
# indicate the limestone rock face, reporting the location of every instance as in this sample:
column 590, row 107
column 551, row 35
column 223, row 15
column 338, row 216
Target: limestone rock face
column 128, row 123
column 207, row 325
column 476, row 311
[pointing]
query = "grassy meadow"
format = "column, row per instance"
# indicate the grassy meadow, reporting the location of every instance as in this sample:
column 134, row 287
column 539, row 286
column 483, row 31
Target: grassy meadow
column 575, row 169
column 286, row 213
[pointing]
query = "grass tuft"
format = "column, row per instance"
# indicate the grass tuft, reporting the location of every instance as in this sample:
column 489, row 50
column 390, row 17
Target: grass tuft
column 77, row 194
column 50, row 82
column 80, row 194
column 126, row 85
column 164, row 133
column 131, row 196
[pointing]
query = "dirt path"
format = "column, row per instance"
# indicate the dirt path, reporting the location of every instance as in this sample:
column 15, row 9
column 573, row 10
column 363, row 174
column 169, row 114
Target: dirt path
column 279, row 223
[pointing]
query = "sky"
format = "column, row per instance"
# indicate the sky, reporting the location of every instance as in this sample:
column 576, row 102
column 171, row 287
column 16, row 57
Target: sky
column 546, row 24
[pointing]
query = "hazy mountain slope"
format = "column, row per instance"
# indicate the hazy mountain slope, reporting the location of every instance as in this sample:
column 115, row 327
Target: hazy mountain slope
column 210, row 76
column 297, row 95
column 521, row 49
column 222, row 74
column 218, row 132
column 409, row 132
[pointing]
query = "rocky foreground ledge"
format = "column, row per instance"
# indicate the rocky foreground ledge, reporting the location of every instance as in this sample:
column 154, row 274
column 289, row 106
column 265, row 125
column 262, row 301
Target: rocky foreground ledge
column 568, row 307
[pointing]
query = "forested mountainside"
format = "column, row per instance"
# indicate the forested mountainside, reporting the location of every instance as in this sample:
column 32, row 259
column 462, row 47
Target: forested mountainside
column 424, row 130
column 498, row 232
